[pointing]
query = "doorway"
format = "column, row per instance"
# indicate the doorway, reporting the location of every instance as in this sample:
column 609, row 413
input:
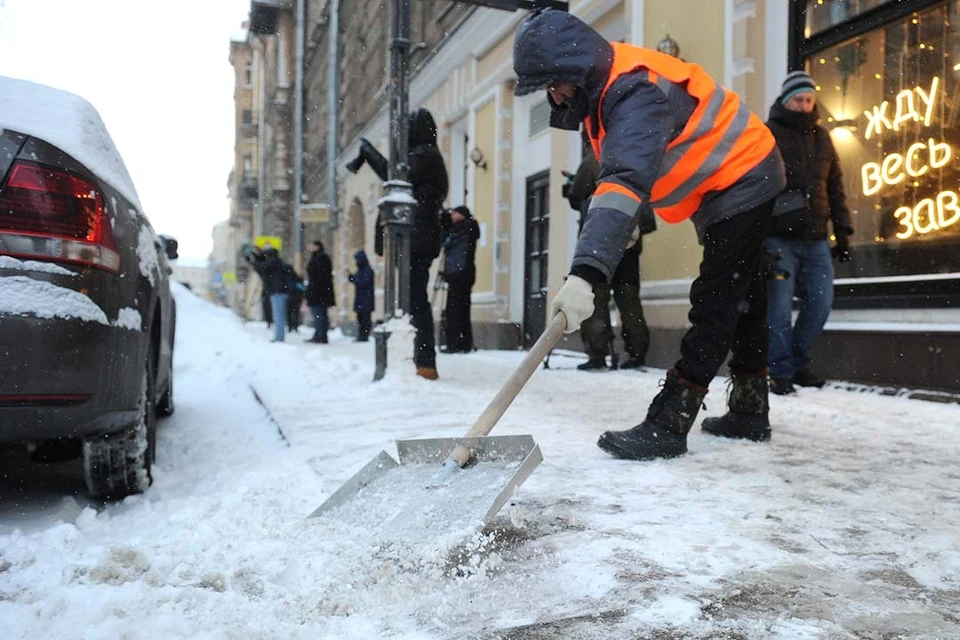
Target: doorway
column 536, row 252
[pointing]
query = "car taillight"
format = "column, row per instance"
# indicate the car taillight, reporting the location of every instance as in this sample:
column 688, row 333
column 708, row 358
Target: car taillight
column 50, row 214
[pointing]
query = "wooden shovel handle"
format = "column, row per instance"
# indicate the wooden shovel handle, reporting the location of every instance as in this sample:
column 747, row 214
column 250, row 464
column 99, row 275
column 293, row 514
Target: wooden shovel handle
column 498, row 406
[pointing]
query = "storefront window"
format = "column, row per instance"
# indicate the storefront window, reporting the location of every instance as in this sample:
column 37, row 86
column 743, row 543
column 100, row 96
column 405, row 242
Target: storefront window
column 823, row 14
column 891, row 100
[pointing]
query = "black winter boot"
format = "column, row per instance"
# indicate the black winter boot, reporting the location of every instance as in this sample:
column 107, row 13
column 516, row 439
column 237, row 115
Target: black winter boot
column 593, row 364
column 664, row 433
column 748, row 417
column 805, row 378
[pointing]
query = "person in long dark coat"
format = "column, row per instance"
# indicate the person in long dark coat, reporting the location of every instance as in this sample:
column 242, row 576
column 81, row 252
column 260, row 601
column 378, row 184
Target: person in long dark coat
column 296, row 290
column 320, row 290
column 428, row 175
column 460, row 272
column 363, row 300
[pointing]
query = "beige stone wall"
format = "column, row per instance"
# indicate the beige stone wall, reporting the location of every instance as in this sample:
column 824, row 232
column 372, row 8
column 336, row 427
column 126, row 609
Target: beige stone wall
column 484, row 195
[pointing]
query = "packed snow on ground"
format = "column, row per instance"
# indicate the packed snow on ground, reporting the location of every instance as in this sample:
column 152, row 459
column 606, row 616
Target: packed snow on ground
column 844, row 526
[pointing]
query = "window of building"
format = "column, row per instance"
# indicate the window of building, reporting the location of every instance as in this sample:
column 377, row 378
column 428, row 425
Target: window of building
column 539, row 118
column 823, row 14
column 247, row 167
column 247, row 116
column 890, row 98
column 248, row 74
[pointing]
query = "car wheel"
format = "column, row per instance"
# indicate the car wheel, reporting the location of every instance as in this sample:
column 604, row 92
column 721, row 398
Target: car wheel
column 119, row 464
column 165, row 406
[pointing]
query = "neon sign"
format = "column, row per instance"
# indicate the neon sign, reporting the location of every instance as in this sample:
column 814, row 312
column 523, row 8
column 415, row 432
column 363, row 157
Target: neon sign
column 929, row 214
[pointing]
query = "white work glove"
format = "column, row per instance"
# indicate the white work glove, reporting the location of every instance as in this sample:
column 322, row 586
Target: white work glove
column 575, row 299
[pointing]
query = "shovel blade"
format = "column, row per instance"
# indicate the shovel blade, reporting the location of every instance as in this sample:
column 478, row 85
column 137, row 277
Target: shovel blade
column 404, row 501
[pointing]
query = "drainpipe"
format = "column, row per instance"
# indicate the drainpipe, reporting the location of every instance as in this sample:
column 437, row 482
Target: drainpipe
column 333, row 111
column 298, row 139
column 261, row 135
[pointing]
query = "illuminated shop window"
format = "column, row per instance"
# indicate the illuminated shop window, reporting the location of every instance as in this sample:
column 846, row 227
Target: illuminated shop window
column 891, row 99
column 823, row 14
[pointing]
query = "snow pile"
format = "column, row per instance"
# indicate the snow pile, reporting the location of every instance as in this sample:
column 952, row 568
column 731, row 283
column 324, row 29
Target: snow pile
column 23, row 296
column 400, row 344
column 128, row 318
column 66, row 121
column 147, row 252
column 844, row 526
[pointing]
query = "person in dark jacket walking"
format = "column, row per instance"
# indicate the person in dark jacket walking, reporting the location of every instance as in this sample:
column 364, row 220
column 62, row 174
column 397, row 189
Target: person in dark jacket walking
column 596, row 332
column 428, row 175
column 668, row 137
column 295, row 293
column 273, row 272
column 797, row 239
column 363, row 300
column 320, row 295
column 460, row 273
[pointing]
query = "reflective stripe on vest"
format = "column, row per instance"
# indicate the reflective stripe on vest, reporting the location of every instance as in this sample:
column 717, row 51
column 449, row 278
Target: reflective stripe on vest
column 720, row 143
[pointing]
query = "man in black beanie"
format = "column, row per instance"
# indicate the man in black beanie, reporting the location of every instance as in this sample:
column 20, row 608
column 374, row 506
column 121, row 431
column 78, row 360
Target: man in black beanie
column 799, row 232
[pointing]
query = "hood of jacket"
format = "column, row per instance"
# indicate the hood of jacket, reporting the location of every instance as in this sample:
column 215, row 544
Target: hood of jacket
column 361, row 258
column 423, row 129
column 553, row 47
column 794, row 119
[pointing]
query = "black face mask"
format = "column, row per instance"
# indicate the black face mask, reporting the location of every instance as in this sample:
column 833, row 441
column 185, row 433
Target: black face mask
column 569, row 116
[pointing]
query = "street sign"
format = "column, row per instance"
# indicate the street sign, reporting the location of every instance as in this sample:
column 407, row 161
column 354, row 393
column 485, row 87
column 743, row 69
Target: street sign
column 514, row 5
column 315, row 213
column 262, row 242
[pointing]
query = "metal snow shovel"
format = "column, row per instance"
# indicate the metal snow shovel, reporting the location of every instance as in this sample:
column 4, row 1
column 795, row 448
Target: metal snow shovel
column 446, row 484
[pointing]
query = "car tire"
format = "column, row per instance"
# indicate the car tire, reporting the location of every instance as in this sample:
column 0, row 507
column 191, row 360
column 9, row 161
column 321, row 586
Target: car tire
column 165, row 406
column 119, row 464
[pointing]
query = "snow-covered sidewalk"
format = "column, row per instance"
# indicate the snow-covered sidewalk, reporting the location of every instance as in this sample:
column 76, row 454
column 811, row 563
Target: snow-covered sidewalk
column 844, row 526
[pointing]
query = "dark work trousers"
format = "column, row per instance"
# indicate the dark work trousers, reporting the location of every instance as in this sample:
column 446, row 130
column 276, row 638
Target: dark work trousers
column 729, row 300
column 459, row 332
column 596, row 332
column 424, row 348
column 363, row 326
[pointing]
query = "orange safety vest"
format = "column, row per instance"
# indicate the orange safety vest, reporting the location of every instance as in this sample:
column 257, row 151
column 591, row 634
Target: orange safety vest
column 720, row 143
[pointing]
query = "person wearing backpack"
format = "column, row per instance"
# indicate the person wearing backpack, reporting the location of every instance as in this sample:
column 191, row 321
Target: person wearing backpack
column 460, row 273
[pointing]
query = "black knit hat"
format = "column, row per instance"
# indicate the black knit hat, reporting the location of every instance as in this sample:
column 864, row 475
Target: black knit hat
column 796, row 82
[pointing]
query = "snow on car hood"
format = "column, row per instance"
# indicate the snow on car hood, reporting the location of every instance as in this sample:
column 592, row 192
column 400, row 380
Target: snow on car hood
column 68, row 122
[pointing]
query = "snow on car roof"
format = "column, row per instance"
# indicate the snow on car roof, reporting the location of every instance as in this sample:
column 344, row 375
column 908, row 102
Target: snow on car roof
column 66, row 121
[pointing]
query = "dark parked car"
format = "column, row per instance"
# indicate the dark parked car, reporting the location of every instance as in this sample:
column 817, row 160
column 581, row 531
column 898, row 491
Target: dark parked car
column 86, row 316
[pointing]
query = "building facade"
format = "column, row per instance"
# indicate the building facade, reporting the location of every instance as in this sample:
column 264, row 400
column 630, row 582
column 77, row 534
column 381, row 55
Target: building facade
column 888, row 74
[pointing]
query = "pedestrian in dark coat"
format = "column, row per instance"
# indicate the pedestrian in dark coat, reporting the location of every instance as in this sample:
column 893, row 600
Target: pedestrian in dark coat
column 460, row 273
column 596, row 331
column 428, row 175
column 295, row 292
column 273, row 273
column 797, row 240
column 363, row 300
column 320, row 290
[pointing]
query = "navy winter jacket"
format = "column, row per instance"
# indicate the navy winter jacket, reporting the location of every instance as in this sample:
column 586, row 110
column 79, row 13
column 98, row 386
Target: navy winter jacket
column 363, row 281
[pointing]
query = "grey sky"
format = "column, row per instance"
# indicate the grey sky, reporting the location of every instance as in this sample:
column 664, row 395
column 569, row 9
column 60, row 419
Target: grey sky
column 158, row 74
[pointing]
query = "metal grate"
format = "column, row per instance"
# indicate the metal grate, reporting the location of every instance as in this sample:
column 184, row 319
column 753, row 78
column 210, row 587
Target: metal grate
column 539, row 118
